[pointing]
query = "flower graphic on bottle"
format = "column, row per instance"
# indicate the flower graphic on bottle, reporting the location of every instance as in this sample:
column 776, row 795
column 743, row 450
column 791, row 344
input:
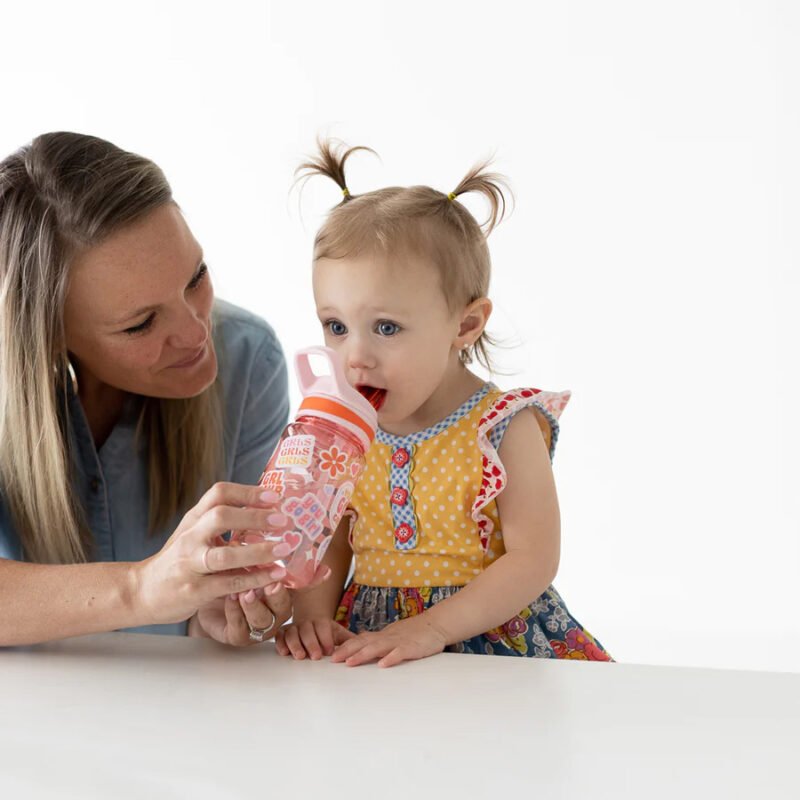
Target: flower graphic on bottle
column 333, row 461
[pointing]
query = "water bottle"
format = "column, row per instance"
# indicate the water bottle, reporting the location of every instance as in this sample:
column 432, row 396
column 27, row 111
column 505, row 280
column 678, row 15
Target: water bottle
column 315, row 466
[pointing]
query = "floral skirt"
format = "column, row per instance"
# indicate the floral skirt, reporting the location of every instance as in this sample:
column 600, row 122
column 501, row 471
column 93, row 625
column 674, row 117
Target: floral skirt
column 544, row 629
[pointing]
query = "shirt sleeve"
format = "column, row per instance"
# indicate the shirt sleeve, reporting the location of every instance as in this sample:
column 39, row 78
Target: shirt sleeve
column 265, row 413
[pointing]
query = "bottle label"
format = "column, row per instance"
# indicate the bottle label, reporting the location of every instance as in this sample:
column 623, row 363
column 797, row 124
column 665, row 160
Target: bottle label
column 340, row 503
column 296, row 451
column 307, row 514
column 273, row 480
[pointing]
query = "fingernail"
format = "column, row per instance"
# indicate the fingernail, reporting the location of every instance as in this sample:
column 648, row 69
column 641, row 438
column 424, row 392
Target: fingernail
column 273, row 588
column 268, row 496
column 277, row 520
column 276, row 573
column 282, row 549
column 250, row 597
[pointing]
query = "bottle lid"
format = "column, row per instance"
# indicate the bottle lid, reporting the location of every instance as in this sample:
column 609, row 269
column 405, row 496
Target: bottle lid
column 331, row 397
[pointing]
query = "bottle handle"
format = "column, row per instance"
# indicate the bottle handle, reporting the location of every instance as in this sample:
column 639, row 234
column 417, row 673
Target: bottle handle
column 310, row 383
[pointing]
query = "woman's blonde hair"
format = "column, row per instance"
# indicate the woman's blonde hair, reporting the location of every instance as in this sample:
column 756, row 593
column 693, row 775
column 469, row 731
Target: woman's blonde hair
column 61, row 194
column 415, row 222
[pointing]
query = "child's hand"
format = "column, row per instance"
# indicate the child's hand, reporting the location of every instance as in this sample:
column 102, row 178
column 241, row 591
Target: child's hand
column 313, row 638
column 404, row 640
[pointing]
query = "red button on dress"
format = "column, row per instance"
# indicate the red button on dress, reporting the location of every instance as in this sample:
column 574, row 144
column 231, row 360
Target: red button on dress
column 399, row 496
column 400, row 457
column 403, row 533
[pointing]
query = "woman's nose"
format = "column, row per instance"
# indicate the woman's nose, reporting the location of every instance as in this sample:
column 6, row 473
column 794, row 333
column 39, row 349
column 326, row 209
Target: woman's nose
column 191, row 330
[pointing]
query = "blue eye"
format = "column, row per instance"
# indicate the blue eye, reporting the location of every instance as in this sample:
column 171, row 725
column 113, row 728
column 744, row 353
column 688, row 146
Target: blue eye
column 386, row 328
column 335, row 327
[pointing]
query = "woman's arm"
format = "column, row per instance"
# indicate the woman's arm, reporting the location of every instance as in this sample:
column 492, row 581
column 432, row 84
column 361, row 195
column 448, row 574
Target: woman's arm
column 40, row 602
column 528, row 508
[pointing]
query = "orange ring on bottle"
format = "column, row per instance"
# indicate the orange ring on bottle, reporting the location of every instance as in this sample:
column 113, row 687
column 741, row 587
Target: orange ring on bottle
column 337, row 410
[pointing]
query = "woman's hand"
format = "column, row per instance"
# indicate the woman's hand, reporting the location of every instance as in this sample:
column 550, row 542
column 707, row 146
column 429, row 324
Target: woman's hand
column 195, row 567
column 313, row 638
column 232, row 619
column 405, row 640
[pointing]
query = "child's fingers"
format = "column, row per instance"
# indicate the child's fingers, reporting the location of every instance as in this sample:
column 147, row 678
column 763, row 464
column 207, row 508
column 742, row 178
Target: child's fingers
column 361, row 650
column 393, row 658
column 308, row 637
column 325, row 633
column 292, row 639
column 341, row 634
column 280, row 643
column 369, row 652
column 346, row 649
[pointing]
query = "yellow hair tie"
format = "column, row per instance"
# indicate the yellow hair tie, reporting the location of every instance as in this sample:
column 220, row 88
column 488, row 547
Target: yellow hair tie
column 346, row 192
column 451, row 196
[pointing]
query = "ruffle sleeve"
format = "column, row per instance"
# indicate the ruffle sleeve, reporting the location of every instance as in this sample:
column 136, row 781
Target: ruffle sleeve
column 493, row 481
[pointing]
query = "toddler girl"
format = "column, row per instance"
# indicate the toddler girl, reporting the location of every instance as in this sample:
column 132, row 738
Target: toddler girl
column 455, row 521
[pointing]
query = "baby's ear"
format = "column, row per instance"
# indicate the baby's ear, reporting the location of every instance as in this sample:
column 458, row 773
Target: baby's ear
column 473, row 321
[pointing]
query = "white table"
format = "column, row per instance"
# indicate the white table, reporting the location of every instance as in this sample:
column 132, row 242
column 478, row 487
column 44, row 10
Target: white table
column 135, row 716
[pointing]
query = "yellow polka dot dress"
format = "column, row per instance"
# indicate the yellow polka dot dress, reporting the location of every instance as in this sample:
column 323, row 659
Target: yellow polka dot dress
column 427, row 523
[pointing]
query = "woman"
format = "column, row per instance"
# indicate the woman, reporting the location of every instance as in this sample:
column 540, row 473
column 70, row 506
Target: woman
column 124, row 391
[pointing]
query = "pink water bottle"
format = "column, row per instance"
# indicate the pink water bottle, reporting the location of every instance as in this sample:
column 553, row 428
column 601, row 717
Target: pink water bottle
column 315, row 466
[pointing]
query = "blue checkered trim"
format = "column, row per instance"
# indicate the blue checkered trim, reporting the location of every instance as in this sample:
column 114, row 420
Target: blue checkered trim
column 420, row 436
column 496, row 433
column 400, row 477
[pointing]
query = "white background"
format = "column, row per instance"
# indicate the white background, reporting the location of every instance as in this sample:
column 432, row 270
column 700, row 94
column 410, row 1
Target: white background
column 650, row 264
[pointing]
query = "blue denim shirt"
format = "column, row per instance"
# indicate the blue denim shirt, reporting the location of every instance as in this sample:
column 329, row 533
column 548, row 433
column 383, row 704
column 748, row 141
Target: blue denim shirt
column 112, row 481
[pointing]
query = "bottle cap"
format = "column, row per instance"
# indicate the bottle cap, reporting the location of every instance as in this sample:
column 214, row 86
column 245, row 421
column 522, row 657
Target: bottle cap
column 331, row 397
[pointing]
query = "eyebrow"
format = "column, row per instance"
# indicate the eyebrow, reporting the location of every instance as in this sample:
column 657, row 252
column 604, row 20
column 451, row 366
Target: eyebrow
column 149, row 309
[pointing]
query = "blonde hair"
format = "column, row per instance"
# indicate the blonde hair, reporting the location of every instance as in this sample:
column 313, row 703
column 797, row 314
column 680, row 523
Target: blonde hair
column 415, row 221
column 60, row 194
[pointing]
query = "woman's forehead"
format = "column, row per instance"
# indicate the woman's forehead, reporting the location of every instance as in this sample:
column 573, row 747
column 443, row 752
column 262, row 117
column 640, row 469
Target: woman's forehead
column 135, row 266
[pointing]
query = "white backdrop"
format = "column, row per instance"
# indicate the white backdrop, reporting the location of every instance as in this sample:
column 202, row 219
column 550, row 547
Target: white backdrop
column 650, row 264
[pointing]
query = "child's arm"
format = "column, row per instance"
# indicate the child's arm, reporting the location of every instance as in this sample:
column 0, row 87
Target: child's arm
column 313, row 632
column 528, row 508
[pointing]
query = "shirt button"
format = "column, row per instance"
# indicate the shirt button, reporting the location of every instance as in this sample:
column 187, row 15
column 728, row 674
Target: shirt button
column 399, row 496
column 94, row 485
column 400, row 457
column 403, row 533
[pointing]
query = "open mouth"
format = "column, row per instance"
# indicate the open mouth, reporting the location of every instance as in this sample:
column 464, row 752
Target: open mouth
column 373, row 395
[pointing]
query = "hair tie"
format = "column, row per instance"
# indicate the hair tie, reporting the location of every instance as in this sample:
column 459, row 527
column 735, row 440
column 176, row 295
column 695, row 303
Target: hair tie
column 451, row 196
column 346, row 192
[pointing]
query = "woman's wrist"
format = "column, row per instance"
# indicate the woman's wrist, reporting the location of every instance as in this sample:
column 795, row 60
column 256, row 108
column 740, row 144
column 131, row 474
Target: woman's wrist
column 133, row 593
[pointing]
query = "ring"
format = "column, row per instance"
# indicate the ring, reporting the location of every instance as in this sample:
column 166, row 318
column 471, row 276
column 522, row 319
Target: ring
column 258, row 634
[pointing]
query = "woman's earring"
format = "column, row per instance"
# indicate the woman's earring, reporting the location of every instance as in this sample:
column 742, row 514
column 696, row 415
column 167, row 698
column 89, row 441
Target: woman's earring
column 73, row 377
column 65, row 366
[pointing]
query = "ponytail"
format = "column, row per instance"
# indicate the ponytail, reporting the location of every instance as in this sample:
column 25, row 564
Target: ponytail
column 329, row 162
column 491, row 186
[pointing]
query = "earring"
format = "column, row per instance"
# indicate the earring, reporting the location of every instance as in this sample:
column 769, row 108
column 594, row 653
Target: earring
column 73, row 377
